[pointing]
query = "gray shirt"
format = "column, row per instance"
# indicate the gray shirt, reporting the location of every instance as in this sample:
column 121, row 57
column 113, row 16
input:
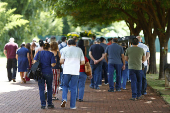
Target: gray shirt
column 114, row 52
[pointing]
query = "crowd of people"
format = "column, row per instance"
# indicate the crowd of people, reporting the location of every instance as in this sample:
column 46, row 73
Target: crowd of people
column 64, row 62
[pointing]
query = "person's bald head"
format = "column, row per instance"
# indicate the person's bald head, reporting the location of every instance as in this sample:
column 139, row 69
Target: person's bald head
column 139, row 38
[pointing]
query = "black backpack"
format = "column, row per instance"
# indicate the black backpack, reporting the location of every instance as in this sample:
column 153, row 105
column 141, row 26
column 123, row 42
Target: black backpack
column 35, row 71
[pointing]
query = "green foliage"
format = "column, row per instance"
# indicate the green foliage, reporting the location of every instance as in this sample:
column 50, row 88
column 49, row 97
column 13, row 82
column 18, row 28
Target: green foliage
column 8, row 22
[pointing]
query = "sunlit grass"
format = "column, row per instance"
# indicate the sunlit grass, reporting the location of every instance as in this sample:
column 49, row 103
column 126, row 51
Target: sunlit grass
column 159, row 85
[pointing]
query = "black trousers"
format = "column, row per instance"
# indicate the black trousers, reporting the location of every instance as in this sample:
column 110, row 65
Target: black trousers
column 11, row 68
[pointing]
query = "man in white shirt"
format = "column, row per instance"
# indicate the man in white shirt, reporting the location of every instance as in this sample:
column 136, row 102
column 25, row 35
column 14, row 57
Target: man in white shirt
column 145, row 63
column 72, row 58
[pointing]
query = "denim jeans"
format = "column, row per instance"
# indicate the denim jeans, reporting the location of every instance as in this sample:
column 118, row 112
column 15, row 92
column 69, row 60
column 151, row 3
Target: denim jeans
column 105, row 70
column 118, row 68
column 61, row 79
column 81, row 85
column 11, row 64
column 124, row 76
column 41, row 83
column 96, row 72
column 136, row 82
column 73, row 79
column 144, row 81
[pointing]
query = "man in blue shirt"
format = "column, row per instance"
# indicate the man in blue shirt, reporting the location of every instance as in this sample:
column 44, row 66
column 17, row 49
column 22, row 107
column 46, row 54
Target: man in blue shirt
column 96, row 53
column 114, row 56
column 104, row 64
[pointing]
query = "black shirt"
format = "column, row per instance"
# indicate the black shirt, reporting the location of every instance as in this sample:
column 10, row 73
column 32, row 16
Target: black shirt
column 97, row 51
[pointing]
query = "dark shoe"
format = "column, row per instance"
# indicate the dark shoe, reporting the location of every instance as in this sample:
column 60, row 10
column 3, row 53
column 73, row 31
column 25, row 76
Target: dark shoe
column 54, row 98
column 14, row 80
column 50, row 106
column 63, row 104
column 118, row 90
column 111, row 90
column 42, row 107
column 139, row 98
column 80, row 100
column 132, row 99
column 97, row 88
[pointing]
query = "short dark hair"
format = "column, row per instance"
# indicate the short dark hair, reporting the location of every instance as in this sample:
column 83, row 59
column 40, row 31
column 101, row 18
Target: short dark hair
column 109, row 39
column 46, row 46
column 135, row 41
column 94, row 37
column 71, row 42
column 41, row 42
column 115, row 40
column 63, row 38
column 80, row 42
column 102, row 39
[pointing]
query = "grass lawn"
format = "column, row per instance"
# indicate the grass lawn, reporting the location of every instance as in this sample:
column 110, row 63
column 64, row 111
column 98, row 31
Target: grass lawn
column 159, row 86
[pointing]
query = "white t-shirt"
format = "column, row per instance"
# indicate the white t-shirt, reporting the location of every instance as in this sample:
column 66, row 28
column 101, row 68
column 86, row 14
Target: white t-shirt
column 72, row 56
column 146, row 49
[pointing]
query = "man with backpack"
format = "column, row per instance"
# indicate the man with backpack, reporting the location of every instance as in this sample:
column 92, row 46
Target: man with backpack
column 63, row 44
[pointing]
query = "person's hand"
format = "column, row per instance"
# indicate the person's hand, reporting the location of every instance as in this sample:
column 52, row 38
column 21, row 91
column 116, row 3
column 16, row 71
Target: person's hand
column 90, row 77
column 96, row 61
column 123, row 67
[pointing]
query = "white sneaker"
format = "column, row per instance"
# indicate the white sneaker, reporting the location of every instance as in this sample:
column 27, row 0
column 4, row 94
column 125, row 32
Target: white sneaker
column 60, row 88
column 73, row 108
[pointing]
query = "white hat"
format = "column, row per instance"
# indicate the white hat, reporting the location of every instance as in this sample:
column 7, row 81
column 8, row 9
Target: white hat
column 23, row 42
column 34, row 40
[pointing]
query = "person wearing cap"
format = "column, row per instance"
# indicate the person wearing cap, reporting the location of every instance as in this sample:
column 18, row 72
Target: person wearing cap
column 114, row 56
column 10, row 52
column 22, row 56
column 96, row 53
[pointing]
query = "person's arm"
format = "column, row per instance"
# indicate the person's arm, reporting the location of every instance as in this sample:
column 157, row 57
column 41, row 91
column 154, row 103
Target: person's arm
column 82, row 62
column 90, row 54
column 59, row 54
column 53, row 64
column 106, row 57
column 147, row 55
column 61, row 61
column 143, row 58
column 5, row 53
column 123, row 60
column 103, row 55
column 28, row 57
column 17, row 56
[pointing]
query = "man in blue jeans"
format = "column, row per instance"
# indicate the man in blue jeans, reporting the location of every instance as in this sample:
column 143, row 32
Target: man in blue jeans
column 104, row 65
column 96, row 53
column 114, row 55
column 135, row 56
column 72, row 58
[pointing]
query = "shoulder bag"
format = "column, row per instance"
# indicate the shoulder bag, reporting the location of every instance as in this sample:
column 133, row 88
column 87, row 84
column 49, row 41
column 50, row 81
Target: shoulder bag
column 88, row 69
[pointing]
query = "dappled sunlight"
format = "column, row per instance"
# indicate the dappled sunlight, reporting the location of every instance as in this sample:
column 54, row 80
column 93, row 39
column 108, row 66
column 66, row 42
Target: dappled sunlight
column 148, row 102
column 121, row 111
column 153, row 98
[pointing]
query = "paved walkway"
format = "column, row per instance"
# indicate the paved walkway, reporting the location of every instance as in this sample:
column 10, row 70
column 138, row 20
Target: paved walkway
column 24, row 98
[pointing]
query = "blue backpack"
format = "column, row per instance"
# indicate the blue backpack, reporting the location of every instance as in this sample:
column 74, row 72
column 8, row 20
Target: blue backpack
column 61, row 46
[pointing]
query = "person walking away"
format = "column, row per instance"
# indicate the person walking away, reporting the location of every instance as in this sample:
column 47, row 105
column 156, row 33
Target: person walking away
column 115, row 56
column 83, row 76
column 96, row 53
column 63, row 44
column 109, row 41
column 28, row 45
column 125, row 72
column 72, row 58
column 56, row 68
column 92, row 41
column 135, row 56
column 145, row 63
column 47, row 61
column 10, row 53
column 22, row 56
column 104, row 65
column 41, row 43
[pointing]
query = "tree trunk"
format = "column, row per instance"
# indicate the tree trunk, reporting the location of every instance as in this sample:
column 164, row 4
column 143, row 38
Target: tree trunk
column 152, row 59
column 163, row 57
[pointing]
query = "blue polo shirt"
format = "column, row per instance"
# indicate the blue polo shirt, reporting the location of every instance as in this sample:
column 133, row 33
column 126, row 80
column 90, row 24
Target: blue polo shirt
column 46, row 59
column 114, row 52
